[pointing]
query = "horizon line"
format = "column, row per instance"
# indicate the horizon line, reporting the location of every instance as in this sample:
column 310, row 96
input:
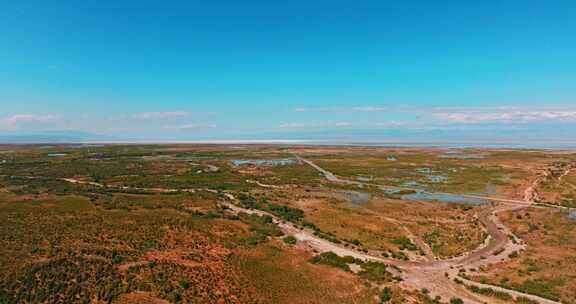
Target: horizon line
column 320, row 142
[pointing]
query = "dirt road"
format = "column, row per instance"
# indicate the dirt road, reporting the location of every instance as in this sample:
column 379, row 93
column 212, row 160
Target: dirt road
column 435, row 275
column 438, row 276
column 335, row 179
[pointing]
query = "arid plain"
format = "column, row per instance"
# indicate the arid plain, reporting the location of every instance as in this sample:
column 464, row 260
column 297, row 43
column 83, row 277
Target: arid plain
column 286, row 224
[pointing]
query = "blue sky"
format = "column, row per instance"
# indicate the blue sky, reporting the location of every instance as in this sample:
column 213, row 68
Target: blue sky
column 224, row 69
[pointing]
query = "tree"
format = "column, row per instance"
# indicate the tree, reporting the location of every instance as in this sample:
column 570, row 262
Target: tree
column 385, row 295
column 289, row 240
column 456, row 301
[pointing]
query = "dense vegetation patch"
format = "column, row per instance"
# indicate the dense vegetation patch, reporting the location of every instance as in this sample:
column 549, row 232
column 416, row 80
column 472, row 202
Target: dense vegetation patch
column 404, row 243
column 369, row 270
column 331, row 259
column 65, row 280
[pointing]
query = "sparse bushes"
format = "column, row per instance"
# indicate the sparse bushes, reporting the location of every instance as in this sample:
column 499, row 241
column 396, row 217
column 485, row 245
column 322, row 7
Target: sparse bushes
column 491, row 292
column 375, row 271
column 524, row 300
column 291, row 240
column 65, row 280
column 290, row 214
column 499, row 251
column 399, row 255
column 540, row 287
column 404, row 243
column 284, row 212
column 327, row 236
column 385, row 295
column 261, row 226
column 456, row 301
column 371, row 271
column 331, row 259
column 248, row 201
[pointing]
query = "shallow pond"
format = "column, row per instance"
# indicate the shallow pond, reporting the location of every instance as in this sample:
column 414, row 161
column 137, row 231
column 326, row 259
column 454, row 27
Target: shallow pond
column 264, row 162
column 432, row 196
column 424, row 170
column 437, row 178
column 364, row 178
column 411, row 184
column 57, row 154
column 457, row 155
column 390, row 190
column 359, row 198
column 443, row 197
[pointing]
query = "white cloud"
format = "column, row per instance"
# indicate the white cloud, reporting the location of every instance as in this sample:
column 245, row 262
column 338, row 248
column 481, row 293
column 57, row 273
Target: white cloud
column 390, row 123
column 511, row 116
column 191, row 126
column 340, row 124
column 197, row 126
column 160, row 115
column 299, row 125
column 18, row 120
column 476, row 117
column 559, row 115
column 337, row 124
column 368, row 109
column 292, row 125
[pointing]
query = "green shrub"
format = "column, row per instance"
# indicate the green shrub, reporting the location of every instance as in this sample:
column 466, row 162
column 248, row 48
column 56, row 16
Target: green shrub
column 456, row 301
column 290, row 214
column 491, row 292
column 291, row 240
column 375, row 271
column 524, row 300
column 385, row 295
column 404, row 243
column 331, row 259
column 540, row 287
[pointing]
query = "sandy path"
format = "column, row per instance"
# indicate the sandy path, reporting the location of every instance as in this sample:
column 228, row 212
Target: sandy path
column 437, row 276
column 513, row 293
column 333, row 178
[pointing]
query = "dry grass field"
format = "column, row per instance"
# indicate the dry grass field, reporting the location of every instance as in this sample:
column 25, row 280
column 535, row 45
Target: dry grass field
column 155, row 224
column 548, row 265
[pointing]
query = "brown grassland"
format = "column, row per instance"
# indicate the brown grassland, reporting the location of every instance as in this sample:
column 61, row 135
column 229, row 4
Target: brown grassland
column 154, row 223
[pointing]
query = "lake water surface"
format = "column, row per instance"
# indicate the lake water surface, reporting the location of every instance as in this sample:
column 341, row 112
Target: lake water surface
column 57, row 154
column 264, row 162
column 443, row 197
column 359, row 198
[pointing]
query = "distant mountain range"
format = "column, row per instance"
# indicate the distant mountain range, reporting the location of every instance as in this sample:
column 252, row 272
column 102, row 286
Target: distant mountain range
column 445, row 138
column 53, row 137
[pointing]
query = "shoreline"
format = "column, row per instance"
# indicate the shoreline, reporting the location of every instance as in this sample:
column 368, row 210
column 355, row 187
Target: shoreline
column 307, row 142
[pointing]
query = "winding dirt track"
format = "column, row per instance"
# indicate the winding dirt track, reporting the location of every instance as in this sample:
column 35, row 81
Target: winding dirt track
column 335, row 179
column 437, row 275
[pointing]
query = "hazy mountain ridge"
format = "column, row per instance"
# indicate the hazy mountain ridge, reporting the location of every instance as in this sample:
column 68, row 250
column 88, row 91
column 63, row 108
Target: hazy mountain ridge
column 52, row 137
